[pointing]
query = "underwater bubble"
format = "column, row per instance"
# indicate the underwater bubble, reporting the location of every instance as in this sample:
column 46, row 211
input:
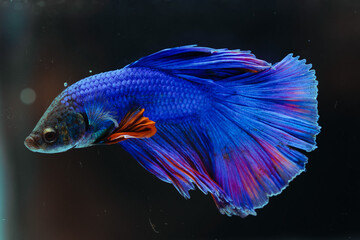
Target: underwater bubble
column 27, row 96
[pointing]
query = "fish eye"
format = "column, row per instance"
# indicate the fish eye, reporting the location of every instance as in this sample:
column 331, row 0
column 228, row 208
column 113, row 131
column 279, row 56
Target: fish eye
column 49, row 135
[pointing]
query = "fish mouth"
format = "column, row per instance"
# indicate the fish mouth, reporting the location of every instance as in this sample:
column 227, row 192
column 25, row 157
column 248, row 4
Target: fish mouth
column 31, row 144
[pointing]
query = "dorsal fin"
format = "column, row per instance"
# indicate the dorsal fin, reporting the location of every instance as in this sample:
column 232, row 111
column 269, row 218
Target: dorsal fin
column 202, row 62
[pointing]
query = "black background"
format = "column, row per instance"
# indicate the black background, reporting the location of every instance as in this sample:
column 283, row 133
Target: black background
column 102, row 192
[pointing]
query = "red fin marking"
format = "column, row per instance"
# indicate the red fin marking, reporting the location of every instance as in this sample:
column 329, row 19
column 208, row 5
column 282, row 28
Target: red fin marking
column 133, row 125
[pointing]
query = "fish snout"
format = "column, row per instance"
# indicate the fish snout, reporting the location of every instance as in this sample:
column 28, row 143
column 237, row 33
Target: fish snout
column 31, row 143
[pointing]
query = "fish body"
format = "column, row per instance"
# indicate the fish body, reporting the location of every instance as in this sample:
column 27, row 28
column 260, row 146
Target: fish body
column 218, row 119
column 164, row 97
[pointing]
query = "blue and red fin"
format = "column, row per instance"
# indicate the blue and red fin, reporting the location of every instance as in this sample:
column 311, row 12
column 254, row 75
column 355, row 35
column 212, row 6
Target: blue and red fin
column 202, row 62
column 132, row 125
column 179, row 153
column 245, row 148
column 256, row 129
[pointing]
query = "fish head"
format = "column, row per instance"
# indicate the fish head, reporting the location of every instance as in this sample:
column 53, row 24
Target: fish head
column 60, row 128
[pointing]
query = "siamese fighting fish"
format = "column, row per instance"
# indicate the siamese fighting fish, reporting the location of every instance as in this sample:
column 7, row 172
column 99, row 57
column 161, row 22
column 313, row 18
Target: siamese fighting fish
column 220, row 120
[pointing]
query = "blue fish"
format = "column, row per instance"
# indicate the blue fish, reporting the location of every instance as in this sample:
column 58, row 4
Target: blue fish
column 221, row 120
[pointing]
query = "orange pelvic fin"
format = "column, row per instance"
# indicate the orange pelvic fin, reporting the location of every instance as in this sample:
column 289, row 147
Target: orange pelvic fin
column 133, row 125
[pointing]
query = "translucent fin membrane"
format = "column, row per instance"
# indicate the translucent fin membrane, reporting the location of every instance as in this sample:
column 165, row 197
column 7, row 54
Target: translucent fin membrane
column 202, row 62
column 254, row 129
column 133, row 125
column 180, row 154
column 243, row 149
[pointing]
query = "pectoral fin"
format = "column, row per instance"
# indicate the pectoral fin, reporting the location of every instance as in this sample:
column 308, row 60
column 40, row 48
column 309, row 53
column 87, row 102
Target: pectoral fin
column 133, row 125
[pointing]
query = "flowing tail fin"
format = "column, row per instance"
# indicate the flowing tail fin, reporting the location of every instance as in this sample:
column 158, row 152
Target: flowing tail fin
column 258, row 122
column 245, row 149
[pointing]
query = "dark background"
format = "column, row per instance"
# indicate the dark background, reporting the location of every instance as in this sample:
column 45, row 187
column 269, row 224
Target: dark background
column 102, row 192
